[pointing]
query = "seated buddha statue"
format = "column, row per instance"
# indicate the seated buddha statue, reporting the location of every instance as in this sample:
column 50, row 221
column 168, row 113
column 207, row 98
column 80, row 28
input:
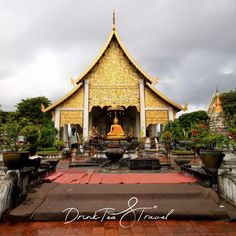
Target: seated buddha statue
column 116, row 130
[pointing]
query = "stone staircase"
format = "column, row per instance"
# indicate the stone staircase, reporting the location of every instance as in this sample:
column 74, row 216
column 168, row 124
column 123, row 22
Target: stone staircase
column 119, row 201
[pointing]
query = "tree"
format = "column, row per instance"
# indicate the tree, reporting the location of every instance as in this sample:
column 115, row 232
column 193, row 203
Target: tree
column 28, row 120
column 198, row 133
column 194, row 117
column 32, row 119
column 8, row 134
column 178, row 132
column 30, row 108
column 2, row 117
column 33, row 134
column 228, row 100
column 48, row 133
column 167, row 139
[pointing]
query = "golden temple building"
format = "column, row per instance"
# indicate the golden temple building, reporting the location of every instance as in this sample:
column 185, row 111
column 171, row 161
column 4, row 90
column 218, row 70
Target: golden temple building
column 114, row 80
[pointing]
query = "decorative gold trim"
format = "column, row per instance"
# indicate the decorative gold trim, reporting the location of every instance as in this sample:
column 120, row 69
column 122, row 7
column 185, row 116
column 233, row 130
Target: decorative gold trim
column 158, row 93
column 156, row 117
column 71, row 117
column 102, row 105
column 115, row 34
column 62, row 99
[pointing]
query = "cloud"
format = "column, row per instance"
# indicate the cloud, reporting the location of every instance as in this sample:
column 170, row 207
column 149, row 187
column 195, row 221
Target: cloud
column 189, row 44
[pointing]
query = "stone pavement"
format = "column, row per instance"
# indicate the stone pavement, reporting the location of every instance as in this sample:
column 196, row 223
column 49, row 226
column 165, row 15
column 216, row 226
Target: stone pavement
column 88, row 177
column 112, row 228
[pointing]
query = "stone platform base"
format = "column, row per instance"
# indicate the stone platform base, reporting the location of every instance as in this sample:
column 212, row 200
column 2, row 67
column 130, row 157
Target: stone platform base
column 108, row 201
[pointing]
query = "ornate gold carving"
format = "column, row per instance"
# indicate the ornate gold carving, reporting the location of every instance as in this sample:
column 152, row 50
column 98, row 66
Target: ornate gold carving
column 71, row 117
column 156, row 117
column 164, row 98
column 74, row 101
column 115, row 35
column 114, row 81
column 67, row 96
column 152, row 100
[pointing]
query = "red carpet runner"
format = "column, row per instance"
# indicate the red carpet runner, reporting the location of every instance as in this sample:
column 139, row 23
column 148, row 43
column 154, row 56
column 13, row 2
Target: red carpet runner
column 83, row 177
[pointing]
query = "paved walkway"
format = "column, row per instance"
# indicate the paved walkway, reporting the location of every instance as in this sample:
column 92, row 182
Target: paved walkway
column 112, row 228
column 84, row 177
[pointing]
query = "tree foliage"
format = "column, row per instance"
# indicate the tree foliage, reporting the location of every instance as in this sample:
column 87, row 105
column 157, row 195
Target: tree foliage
column 27, row 120
column 8, row 134
column 198, row 134
column 181, row 127
column 228, row 100
column 178, row 132
column 48, row 133
column 193, row 117
column 30, row 109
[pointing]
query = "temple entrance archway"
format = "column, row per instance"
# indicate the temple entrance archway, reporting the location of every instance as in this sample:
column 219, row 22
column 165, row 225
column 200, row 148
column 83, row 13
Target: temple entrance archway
column 101, row 119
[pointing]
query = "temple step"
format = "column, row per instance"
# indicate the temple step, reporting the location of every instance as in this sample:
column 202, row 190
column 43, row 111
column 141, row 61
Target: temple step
column 190, row 201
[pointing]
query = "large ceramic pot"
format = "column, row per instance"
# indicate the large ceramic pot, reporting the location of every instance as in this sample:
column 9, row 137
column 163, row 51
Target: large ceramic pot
column 33, row 163
column 211, row 158
column 15, row 160
column 114, row 154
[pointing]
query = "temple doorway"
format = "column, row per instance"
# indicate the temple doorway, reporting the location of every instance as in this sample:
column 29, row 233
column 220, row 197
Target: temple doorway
column 102, row 119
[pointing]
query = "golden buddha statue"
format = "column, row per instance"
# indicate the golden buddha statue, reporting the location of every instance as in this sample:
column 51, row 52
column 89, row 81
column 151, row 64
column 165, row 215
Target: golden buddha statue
column 116, row 130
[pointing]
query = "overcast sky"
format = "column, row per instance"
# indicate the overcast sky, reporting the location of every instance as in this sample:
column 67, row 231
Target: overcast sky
column 189, row 44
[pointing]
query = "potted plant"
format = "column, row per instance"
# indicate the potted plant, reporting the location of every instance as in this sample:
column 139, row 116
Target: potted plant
column 13, row 156
column 59, row 145
column 33, row 134
column 167, row 139
column 213, row 155
column 182, row 156
column 198, row 132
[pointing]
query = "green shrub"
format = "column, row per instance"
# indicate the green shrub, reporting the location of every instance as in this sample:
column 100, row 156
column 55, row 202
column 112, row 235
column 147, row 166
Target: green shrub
column 47, row 153
column 33, row 134
column 167, row 137
column 217, row 141
column 47, row 135
column 47, row 149
column 59, row 144
column 182, row 152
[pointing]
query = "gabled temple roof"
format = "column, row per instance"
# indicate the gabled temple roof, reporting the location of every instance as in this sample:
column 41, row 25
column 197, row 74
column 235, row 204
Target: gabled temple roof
column 149, row 80
column 62, row 99
column 112, row 35
column 159, row 94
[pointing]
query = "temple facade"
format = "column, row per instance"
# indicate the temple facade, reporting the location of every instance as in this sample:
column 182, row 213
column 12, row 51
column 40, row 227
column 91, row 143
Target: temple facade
column 114, row 81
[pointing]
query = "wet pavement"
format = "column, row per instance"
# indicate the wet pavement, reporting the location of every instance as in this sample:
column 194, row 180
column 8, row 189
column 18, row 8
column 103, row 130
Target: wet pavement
column 113, row 228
